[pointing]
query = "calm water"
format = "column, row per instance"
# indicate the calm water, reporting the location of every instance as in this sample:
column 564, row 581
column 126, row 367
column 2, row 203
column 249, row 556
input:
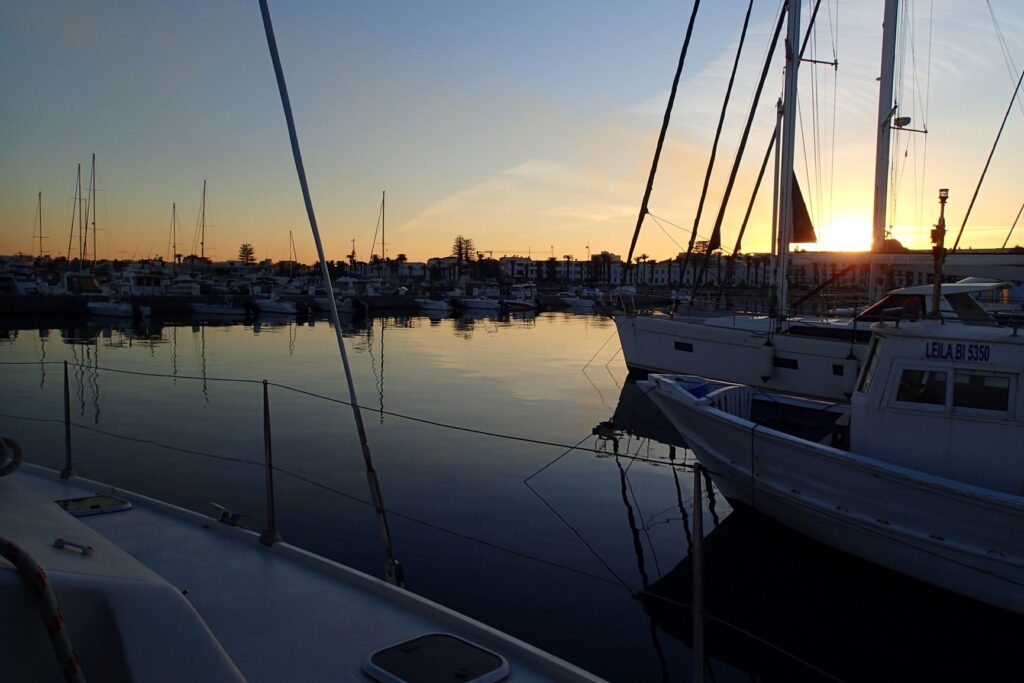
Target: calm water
column 584, row 554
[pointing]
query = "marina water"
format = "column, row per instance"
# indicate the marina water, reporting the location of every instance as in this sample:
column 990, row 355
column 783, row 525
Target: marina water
column 583, row 552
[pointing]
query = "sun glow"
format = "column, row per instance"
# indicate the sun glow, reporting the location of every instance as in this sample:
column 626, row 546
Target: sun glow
column 846, row 233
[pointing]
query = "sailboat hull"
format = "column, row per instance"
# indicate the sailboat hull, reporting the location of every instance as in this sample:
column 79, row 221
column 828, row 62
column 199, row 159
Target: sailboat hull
column 805, row 365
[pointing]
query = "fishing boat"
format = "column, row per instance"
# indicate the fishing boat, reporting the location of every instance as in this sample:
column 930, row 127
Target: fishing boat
column 919, row 473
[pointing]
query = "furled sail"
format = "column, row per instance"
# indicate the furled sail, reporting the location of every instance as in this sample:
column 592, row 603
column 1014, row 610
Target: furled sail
column 803, row 228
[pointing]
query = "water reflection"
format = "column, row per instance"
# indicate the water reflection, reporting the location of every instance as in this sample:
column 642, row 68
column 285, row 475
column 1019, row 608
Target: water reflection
column 782, row 606
column 598, row 546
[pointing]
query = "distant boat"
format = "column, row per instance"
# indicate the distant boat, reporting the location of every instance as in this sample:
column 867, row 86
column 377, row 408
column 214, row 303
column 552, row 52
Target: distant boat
column 111, row 309
column 224, row 309
column 576, row 301
column 522, row 298
column 434, row 305
column 276, row 306
column 481, row 303
column 344, row 304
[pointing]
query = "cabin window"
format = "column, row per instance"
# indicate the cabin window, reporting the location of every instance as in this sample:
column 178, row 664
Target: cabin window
column 869, row 366
column 788, row 363
column 981, row 390
column 895, row 307
column 684, row 346
column 922, row 386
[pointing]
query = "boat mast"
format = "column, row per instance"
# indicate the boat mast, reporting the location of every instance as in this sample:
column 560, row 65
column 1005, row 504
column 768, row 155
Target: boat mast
column 291, row 254
column 174, row 237
column 74, row 211
column 92, row 202
column 886, row 110
column 41, row 225
column 202, row 224
column 789, row 105
column 383, row 247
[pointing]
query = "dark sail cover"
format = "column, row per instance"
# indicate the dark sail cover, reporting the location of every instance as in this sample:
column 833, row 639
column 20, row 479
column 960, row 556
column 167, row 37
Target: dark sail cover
column 803, row 229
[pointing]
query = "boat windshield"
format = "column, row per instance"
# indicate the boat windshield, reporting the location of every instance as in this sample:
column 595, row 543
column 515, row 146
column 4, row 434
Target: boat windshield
column 895, row 306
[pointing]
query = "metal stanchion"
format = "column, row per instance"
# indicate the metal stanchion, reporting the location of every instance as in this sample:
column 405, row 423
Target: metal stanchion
column 69, row 470
column 270, row 535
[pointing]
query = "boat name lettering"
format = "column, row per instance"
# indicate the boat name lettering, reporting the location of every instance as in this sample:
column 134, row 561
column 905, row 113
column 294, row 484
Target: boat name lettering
column 980, row 353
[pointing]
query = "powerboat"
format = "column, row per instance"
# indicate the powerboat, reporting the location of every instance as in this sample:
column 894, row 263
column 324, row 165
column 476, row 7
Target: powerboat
column 920, row 473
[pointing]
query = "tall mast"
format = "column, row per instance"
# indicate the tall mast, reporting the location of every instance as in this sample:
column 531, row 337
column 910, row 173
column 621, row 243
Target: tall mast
column 291, row 254
column 74, row 211
column 92, row 202
column 41, row 225
column 174, row 237
column 202, row 224
column 789, row 106
column 886, row 109
column 383, row 244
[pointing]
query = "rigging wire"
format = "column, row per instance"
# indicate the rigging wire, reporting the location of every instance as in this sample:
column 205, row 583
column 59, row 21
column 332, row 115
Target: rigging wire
column 1013, row 226
column 661, row 138
column 988, row 161
column 718, row 134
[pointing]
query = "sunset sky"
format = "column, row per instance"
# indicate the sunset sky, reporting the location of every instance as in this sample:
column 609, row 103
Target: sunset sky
column 527, row 126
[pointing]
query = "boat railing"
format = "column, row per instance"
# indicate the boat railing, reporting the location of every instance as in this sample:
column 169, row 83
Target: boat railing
column 734, row 399
column 726, row 398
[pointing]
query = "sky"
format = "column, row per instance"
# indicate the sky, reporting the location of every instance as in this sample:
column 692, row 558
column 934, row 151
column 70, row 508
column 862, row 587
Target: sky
column 528, row 126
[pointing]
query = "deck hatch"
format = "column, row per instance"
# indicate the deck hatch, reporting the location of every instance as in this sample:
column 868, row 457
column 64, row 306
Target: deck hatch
column 436, row 658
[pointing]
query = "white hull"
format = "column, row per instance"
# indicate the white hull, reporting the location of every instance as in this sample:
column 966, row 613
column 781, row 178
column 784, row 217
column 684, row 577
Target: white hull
column 271, row 306
column 217, row 309
column 963, row 538
column 110, row 309
column 810, row 366
column 434, row 305
column 481, row 304
column 579, row 303
column 344, row 305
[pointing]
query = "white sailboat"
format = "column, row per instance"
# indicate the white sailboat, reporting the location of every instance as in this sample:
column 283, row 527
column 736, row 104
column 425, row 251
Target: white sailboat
column 921, row 473
column 810, row 356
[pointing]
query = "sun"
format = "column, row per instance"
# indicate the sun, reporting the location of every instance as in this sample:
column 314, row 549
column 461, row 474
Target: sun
column 846, row 233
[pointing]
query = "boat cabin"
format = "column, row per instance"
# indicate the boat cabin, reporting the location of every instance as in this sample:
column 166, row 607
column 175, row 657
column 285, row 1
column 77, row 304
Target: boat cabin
column 960, row 300
column 946, row 400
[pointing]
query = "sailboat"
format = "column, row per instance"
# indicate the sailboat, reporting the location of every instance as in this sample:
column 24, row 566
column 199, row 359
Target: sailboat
column 812, row 356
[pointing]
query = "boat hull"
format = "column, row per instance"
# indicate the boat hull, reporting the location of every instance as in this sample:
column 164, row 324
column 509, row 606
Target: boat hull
column 959, row 537
column 809, row 366
column 217, row 309
column 110, row 309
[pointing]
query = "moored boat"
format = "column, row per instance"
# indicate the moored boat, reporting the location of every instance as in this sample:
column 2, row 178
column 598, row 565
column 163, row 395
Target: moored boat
column 918, row 474
column 434, row 305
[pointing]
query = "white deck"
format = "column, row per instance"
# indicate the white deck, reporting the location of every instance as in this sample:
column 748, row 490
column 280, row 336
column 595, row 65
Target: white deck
column 280, row 613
